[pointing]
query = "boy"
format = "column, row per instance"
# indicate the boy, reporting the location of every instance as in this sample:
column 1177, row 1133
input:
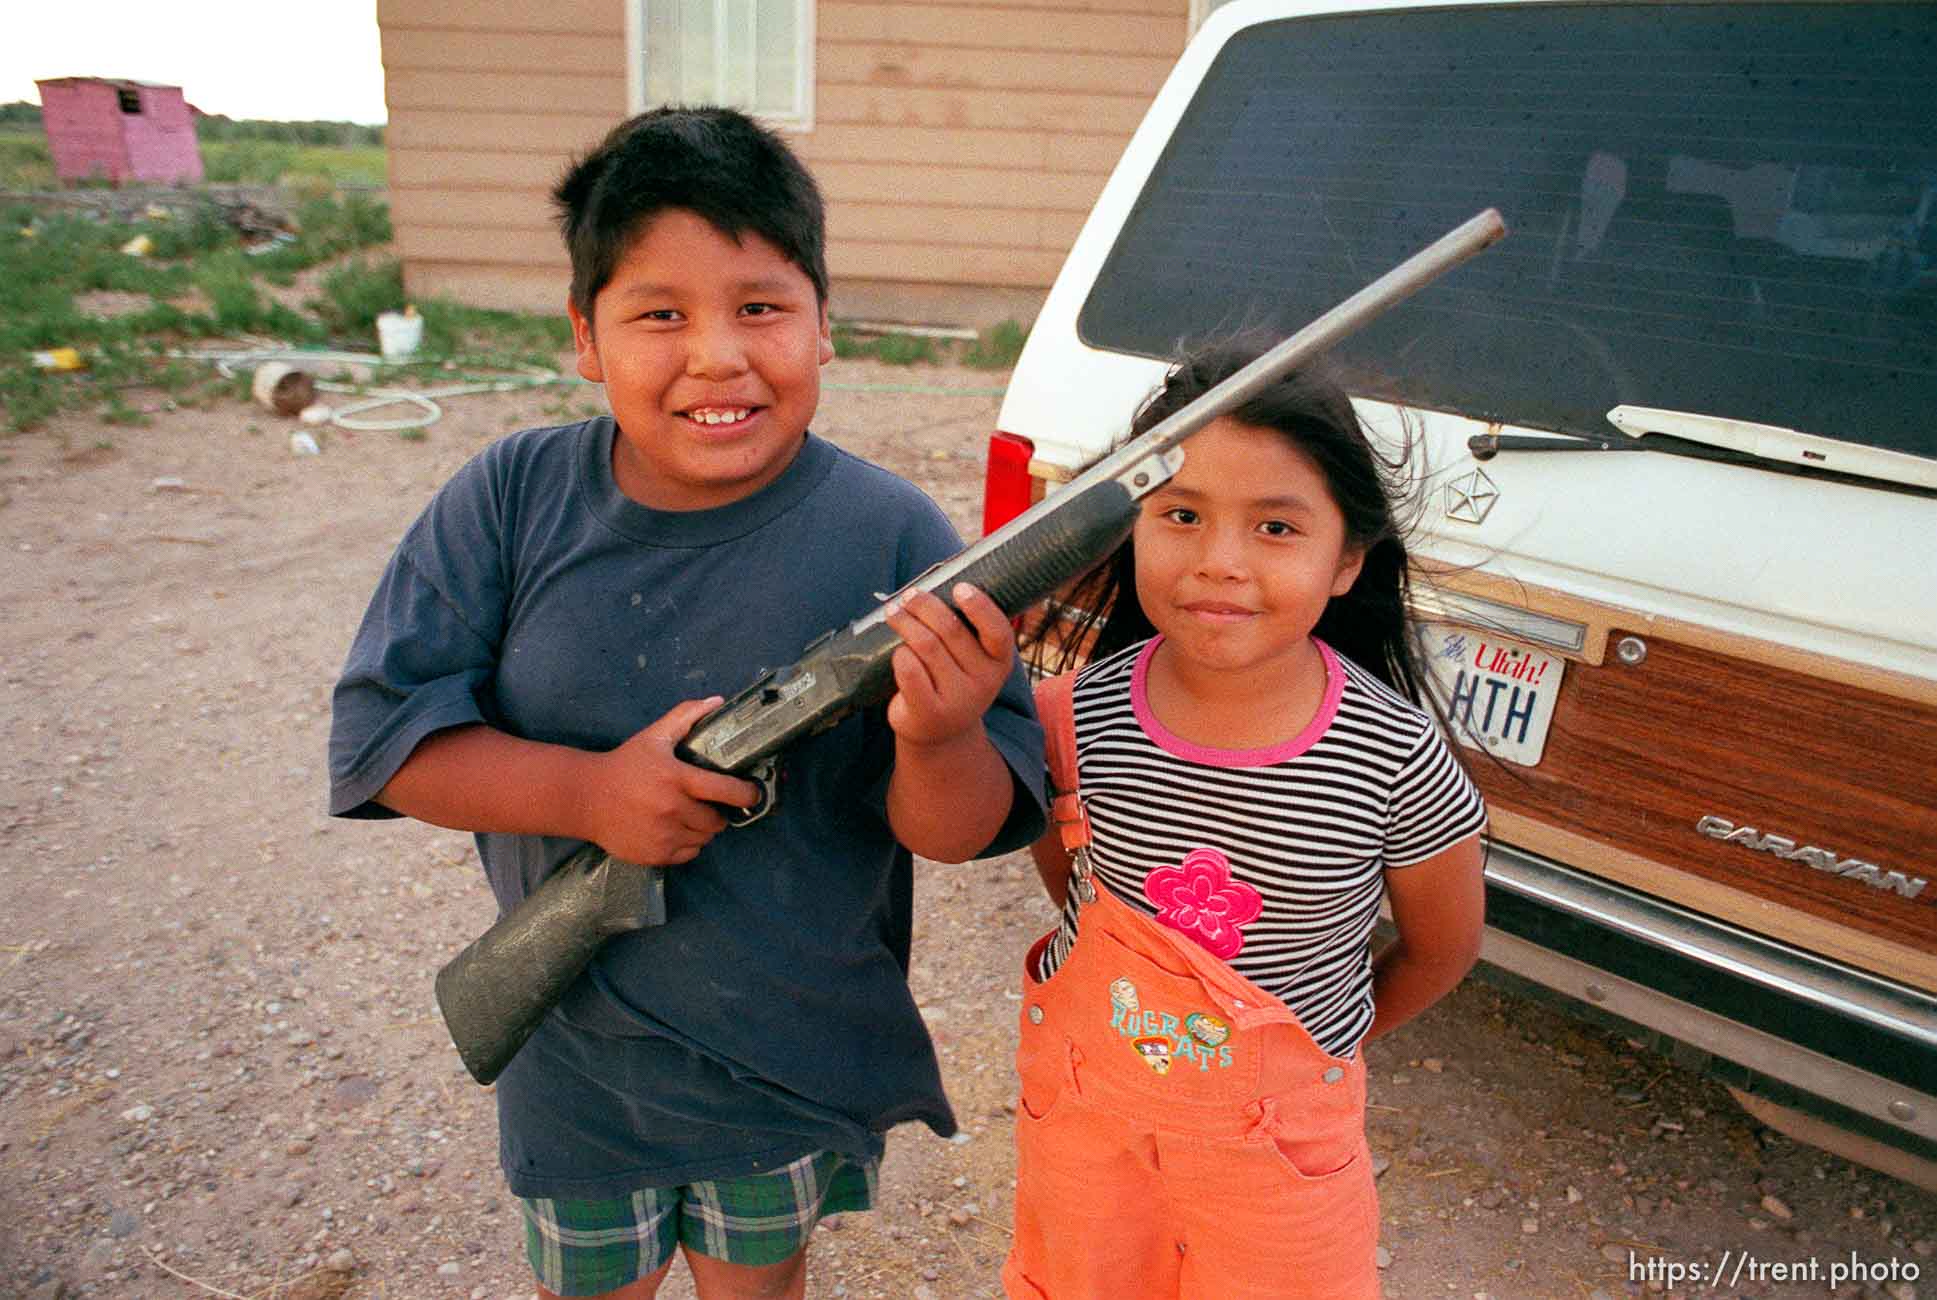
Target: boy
column 568, row 606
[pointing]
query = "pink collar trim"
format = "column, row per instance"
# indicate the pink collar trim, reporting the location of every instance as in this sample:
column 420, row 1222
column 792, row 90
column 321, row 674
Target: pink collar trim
column 1171, row 743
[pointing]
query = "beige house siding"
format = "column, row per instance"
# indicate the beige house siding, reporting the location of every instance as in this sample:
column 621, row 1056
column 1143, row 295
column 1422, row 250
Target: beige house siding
column 487, row 102
column 959, row 144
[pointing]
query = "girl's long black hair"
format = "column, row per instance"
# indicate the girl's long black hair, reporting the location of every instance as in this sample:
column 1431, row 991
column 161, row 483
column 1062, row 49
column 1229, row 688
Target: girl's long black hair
column 1369, row 624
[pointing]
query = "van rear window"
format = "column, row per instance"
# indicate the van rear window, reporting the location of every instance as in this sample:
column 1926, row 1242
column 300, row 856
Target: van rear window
column 1727, row 209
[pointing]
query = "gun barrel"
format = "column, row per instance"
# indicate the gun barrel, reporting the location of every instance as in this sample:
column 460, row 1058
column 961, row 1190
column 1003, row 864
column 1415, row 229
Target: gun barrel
column 1470, row 237
column 1053, row 541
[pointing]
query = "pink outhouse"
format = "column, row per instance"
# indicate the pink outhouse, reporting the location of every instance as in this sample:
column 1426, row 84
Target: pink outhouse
column 99, row 129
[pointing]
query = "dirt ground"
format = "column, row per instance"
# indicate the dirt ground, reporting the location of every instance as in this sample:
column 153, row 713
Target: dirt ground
column 222, row 1071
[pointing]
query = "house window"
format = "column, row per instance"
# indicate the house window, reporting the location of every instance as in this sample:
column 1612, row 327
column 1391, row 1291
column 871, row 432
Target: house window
column 755, row 55
column 130, row 100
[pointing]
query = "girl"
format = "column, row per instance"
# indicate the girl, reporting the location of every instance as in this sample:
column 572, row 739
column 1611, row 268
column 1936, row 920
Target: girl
column 1253, row 770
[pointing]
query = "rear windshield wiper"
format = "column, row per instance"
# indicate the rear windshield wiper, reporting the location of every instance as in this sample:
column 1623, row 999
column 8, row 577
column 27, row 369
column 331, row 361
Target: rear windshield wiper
column 1739, row 442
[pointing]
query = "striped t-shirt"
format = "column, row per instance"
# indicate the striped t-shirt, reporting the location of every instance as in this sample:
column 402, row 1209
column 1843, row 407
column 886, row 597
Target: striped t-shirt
column 1311, row 824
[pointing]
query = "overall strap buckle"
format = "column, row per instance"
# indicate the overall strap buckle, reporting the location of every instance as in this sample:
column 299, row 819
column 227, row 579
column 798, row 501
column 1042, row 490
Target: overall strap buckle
column 1080, row 875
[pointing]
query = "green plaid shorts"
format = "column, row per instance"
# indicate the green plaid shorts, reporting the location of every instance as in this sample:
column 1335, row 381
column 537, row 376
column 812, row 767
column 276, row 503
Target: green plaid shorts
column 580, row 1248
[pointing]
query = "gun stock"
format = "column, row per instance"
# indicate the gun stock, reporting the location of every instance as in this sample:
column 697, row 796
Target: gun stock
column 495, row 992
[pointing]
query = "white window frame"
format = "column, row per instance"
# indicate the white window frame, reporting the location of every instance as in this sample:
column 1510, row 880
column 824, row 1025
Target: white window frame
column 800, row 120
column 1202, row 9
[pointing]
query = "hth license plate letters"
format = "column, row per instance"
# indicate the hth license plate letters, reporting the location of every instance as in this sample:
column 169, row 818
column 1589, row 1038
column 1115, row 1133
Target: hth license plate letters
column 1499, row 695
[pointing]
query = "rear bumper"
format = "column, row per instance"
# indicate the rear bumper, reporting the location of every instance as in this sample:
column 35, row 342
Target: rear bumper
column 1821, row 1031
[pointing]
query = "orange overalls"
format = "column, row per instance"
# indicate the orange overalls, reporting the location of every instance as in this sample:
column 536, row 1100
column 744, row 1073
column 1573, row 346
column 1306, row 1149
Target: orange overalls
column 1179, row 1133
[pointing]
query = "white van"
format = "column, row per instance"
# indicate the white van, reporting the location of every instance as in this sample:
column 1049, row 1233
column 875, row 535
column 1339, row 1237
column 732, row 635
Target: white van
column 1681, row 502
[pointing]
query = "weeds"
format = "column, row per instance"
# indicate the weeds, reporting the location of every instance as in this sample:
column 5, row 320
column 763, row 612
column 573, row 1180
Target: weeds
column 895, row 349
column 203, row 231
column 904, row 349
column 493, row 339
column 24, row 161
column 995, row 348
column 356, row 293
column 29, row 396
column 273, row 162
column 235, row 302
column 197, row 281
column 331, row 226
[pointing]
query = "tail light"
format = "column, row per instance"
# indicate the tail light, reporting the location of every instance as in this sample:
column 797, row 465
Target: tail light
column 1007, row 490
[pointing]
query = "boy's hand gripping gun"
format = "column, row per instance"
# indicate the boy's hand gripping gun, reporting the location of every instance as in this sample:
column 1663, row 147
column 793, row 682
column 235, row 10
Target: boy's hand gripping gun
column 495, row 992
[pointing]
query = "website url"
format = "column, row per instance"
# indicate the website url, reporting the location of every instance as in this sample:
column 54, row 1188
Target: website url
column 1732, row 1268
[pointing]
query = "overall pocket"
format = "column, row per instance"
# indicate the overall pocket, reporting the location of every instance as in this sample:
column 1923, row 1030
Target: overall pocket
column 1315, row 1159
column 1044, row 1067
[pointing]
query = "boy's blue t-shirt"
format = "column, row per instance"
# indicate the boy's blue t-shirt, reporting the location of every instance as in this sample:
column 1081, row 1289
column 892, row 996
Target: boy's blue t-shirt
column 770, row 1015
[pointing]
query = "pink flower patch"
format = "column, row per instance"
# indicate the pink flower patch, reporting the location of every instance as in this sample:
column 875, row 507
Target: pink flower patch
column 1199, row 898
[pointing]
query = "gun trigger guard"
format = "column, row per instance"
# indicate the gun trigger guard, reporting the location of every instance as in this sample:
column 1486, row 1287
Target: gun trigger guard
column 766, row 775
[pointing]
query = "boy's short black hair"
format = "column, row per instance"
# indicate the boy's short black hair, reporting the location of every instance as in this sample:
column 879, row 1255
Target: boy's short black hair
column 716, row 162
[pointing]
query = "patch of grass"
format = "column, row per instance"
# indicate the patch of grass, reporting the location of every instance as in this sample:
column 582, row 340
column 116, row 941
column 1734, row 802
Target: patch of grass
column 24, row 161
column 260, row 162
column 217, row 127
column 895, row 349
column 332, row 224
column 235, row 302
column 283, row 322
column 847, row 343
column 997, row 348
column 280, row 162
column 357, row 292
column 203, row 231
column 28, row 396
column 493, row 338
column 904, row 349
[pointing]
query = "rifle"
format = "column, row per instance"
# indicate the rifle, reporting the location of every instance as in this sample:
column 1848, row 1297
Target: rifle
column 495, row 992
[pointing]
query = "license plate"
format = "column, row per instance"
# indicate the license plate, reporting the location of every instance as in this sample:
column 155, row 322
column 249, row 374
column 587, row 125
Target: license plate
column 1498, row 694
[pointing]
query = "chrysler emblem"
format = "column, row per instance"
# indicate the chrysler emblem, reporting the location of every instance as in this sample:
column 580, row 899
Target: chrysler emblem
column 1470, row 497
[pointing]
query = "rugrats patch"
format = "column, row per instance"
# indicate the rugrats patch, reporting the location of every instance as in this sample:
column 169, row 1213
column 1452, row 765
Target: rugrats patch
column 1164, row 1041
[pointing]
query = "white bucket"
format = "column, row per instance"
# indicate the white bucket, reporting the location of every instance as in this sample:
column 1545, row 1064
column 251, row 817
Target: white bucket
column 398, row 334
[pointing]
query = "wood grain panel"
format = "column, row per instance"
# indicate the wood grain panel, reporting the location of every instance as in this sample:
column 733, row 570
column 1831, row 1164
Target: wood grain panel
column 1638, row 755
column 1720, row 900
